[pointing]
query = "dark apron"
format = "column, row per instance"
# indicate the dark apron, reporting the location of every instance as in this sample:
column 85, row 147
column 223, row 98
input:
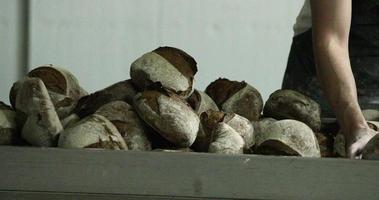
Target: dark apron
column 300, row 74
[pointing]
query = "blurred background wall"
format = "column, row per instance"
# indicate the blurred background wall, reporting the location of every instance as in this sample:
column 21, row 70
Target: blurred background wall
column 97, row 40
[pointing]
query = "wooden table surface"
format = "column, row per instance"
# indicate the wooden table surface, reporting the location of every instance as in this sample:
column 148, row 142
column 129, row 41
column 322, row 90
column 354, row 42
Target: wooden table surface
column 51, row 173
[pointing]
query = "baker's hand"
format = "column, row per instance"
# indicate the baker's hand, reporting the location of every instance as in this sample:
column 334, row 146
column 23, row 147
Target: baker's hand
column 357, row 141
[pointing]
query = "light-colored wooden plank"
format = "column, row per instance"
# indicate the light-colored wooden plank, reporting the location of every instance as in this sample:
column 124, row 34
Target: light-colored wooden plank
column 186, row 174
column 19, row 195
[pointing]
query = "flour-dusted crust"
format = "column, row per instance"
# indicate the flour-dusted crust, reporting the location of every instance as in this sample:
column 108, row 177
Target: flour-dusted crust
column 120, row 91
column 211, row 119
column 260, row 128
column 170, row 116
column 289, row 104
column 171, row 67
column 227, row 140
column 289, row 137
column 201, row 102
column 127, row 122
column 94, row 131
column 236, row 97
column 42, row 125
column 244, row 127
column 70, row 120
column 208, row 122
column 8, row 126
column 63, row 87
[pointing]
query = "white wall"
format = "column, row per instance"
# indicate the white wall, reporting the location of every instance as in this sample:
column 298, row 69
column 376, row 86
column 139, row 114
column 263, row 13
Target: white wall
column 11, row 44
column 98, row 40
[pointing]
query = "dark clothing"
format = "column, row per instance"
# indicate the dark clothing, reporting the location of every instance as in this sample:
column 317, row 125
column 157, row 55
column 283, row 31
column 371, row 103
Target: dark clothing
column 301, row 75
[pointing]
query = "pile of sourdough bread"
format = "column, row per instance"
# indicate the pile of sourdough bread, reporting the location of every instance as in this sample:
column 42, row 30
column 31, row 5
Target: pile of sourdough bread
column 159, row 109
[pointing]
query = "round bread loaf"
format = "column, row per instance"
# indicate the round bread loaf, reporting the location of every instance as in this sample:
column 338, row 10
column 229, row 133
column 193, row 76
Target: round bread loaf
column 289, row 137
column 261, row 126
column 171, row 67
column 201, row 102
column 226, row 140
column 63, row 88
column 371, row 150
column 169, row 115
column 42, row 125
column 289, row 104
column 70, row 120
column 210, row 120
column 127, row 123
column 120, row 91
column 94, row 131
column 236, row 97
column 8, row 125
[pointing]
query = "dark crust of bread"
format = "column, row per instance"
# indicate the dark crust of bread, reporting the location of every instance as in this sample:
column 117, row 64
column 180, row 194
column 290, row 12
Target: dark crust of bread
column 222, row 89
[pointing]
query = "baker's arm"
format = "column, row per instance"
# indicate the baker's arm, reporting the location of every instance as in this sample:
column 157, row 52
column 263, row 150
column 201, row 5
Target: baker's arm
column 331, row 26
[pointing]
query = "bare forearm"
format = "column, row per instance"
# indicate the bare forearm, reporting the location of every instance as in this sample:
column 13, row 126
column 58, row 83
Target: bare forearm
column 338, row 84
column 331, row 27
